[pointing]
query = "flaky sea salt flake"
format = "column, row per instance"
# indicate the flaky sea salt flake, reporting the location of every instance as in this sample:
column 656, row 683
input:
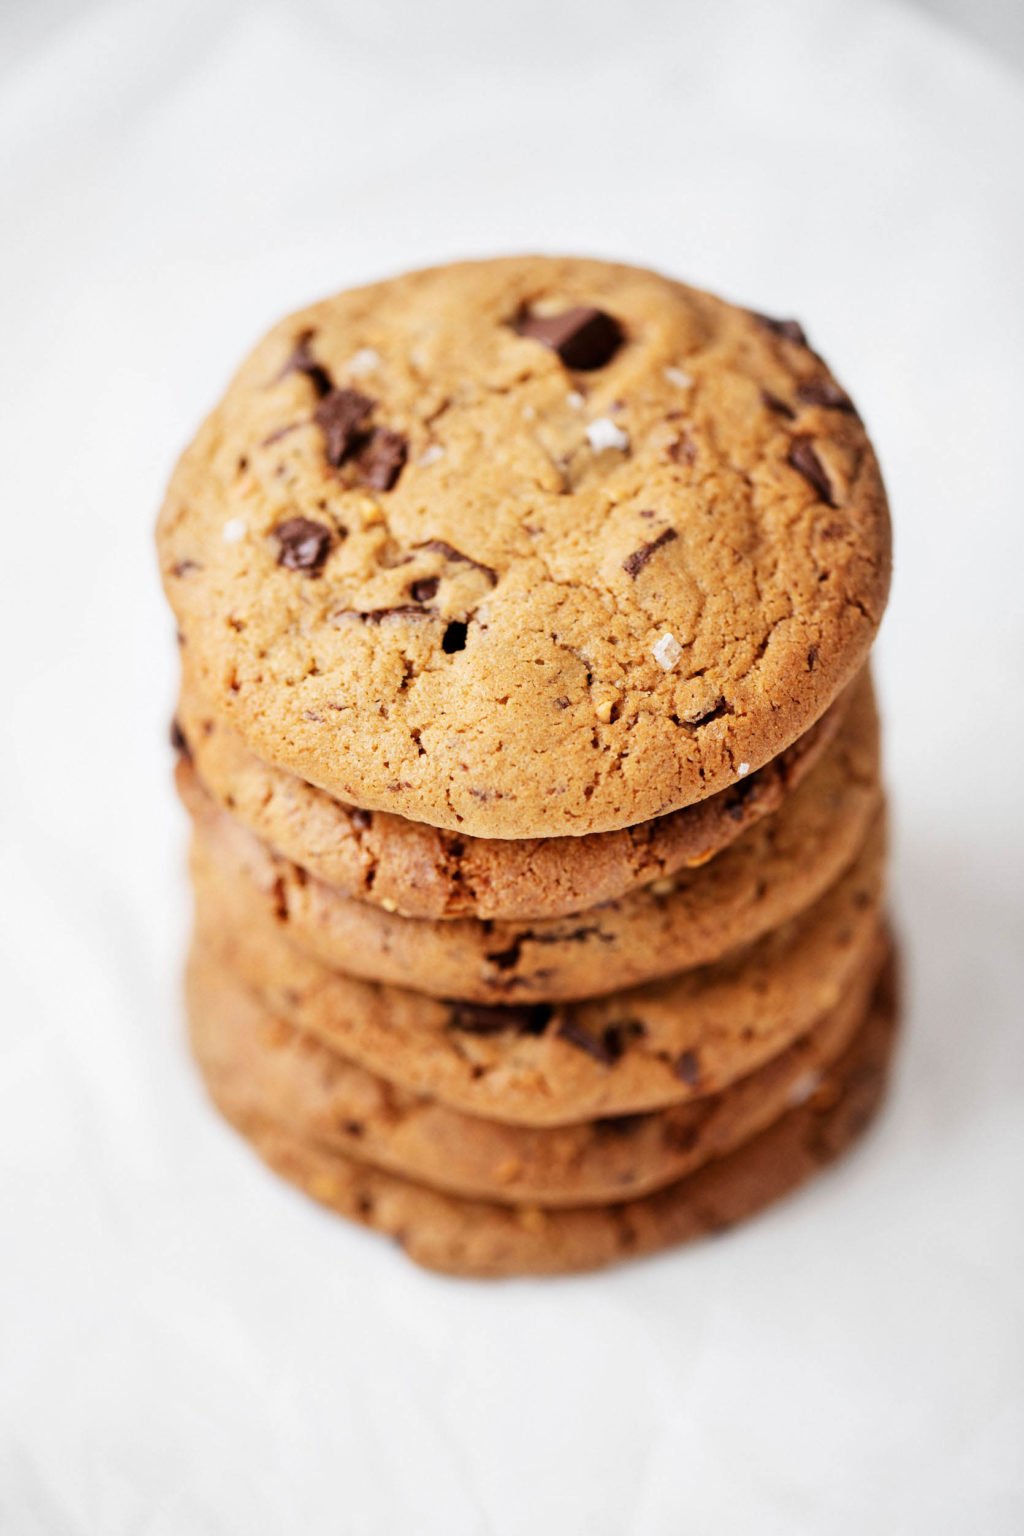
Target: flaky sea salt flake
column 603, row 433
column 667, row 652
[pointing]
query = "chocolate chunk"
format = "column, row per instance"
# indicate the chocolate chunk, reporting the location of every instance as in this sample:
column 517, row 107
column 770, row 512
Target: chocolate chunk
column 341, row 417
column 688, row 1068
column 360, row 818
column 634, row 563
column 303, row 361
column 584, row 338
column 185, row 567
column 488, row 1019
column 812, row 658
column 609, row 1045
column 507, row 959
column 376, row 615
column 424, row 590
column 825, row 392
column 305, row 545
column 792, row 330
column 442, row 547
column 774, row 403
column 382, row 458
column 805, row 461
column 179, row 741
column 454, row 637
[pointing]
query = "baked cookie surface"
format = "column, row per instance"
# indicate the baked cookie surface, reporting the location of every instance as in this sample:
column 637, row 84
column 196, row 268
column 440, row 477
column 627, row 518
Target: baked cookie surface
column 545, row 1064
column 486, row 1239
column 425, row 872
column 526, row 548
column 776, row 870
column 263, row 1067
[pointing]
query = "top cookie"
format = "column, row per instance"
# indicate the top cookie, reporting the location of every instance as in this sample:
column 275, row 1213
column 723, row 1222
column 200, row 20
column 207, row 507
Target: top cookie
column 527, row 547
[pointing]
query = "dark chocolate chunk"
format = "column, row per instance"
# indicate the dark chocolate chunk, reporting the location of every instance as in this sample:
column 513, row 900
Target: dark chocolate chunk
column 584, row 338
column 489, row 1019
column 507, row 959
column 185, row 567
column 688, row 1068
column 774, row 403
column 609, row 1045
column 303, row 361
column 812, row 658
column 179, row 741
column 424, row 590
column 360, row 818
column 455, row 637
column 341, row 417
column 376, row 615
column 792, row 330
column 442, row 547
column 805, row 461
column 634, row 563
column 381, row 459
column 825, row 392
column 305, row 545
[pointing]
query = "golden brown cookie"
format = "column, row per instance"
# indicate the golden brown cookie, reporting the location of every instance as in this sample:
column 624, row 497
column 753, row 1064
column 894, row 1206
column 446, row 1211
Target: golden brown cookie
column 527, row 548
column 474, row 1238
column 541, row 1064
column 420, row 871
column 262, row 1067
column 769, row 875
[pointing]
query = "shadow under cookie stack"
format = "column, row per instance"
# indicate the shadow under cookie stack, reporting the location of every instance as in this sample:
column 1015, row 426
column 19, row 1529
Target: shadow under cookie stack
column 532, row 758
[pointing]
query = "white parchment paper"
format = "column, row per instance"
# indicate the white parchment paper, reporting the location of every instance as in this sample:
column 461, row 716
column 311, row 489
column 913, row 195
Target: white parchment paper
column 186, row 1346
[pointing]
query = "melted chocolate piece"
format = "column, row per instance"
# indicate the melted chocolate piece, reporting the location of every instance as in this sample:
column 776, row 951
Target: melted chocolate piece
column 305, row 545
column 825, row 392
column 382, row 458
column 487, row 1019
column 634, row 563
column 607, row 1047
column 791, row 330
column 342, row 416
column 584, row 338
column 303, row 361
column 179, row 741
column 805, row 461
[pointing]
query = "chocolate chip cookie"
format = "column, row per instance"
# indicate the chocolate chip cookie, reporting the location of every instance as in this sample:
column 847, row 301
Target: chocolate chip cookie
column 545, row 1064
column 262, row 1066
column 420, row 871
column 770, row 874
column 525, row 548
column 486, row 1239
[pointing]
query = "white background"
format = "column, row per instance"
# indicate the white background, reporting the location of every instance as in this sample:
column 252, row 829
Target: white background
column 185, row 1345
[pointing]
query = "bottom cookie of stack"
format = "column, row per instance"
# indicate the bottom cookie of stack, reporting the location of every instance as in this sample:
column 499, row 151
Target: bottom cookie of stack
column 559, row 1199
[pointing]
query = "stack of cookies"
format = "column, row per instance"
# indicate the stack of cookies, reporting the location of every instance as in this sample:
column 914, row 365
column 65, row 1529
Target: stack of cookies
column 528, row 739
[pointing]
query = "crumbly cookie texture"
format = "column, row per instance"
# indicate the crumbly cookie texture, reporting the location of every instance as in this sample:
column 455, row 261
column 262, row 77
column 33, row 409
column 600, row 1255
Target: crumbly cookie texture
column 547, row 1064
column 261, row 1066
column 424, row 872
column 527, row 548
column 768, row 876
column 485, row 1239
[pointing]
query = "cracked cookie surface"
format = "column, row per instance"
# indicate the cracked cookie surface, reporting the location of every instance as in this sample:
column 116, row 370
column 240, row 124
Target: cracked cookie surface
column 480, row 1238
column 261, row 1065
column 445, row 552
column 553, row 1064
column 776, row 870
column 425, row 872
